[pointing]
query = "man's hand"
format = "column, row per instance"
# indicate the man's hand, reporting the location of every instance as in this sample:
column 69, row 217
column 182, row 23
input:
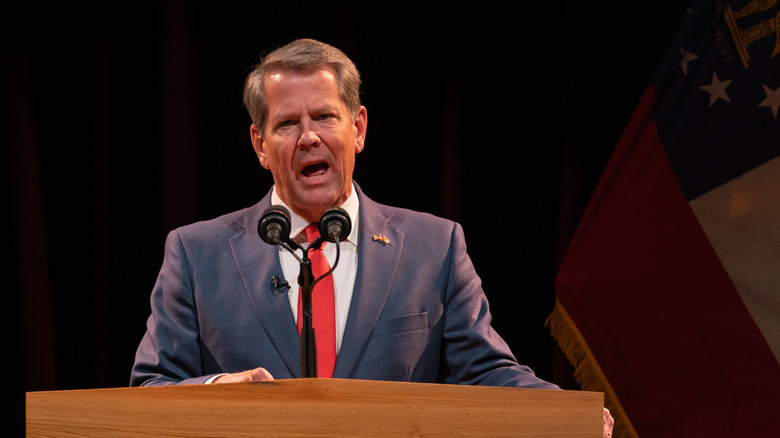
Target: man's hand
column 609, row 423
column 255, row 375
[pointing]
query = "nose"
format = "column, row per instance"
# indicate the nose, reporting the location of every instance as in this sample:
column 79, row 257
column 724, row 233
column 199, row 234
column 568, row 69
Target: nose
column 309, row 137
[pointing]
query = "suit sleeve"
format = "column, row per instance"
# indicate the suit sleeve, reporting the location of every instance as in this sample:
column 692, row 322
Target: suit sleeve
column 169, row 352
column 473, row 353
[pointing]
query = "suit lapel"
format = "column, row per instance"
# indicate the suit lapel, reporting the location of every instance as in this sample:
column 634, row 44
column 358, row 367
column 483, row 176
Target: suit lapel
column 253, row 257
column 377, row 265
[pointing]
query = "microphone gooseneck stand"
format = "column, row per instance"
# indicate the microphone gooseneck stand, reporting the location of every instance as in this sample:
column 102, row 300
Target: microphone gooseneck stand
column 307, row 282
column 274, row 228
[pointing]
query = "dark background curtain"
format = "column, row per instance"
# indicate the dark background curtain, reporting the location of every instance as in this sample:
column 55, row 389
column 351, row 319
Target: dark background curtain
column 122, row 122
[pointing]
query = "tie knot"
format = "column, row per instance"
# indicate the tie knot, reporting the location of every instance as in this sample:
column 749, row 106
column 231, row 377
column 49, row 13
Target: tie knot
column 312, row 233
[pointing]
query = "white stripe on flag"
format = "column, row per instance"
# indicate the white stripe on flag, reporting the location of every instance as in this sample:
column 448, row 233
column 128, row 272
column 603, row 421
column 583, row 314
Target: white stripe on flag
column 742, row 220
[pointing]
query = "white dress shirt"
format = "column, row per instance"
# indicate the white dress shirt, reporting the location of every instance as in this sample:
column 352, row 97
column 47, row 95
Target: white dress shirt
column 344, row 273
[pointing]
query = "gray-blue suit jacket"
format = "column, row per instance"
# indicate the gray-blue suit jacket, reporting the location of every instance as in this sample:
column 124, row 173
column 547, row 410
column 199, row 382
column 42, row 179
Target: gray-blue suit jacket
column 418, row 311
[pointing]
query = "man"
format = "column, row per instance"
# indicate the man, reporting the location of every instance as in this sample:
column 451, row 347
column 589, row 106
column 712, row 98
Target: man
column 408, row 302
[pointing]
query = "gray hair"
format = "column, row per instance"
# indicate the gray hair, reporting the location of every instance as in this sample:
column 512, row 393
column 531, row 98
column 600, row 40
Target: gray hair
column 302, row 55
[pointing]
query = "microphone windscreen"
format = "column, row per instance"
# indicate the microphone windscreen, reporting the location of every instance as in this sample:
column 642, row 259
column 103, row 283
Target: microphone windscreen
column 274, row 225
column 335, row 224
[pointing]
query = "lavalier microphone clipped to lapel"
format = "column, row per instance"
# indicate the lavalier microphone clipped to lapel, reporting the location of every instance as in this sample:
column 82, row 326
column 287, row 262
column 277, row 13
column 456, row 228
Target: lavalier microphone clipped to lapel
column 279, row 287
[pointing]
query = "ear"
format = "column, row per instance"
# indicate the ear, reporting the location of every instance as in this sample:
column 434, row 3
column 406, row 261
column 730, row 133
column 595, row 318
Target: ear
column 258, row 143
column 361, row 124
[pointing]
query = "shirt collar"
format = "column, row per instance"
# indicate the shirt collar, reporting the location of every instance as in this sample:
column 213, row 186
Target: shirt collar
column 297, row 223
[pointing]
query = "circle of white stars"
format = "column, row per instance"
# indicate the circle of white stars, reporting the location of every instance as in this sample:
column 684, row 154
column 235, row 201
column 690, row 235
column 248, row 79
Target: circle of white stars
column 717, row 89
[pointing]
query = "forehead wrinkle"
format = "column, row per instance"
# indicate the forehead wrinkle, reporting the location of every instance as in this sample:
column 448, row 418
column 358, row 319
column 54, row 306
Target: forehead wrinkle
column 297, row 94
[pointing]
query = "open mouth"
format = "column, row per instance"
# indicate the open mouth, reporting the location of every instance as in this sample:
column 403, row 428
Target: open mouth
column 316, row 169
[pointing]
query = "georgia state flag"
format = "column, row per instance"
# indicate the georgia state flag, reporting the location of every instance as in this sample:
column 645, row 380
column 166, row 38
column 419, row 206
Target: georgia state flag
column 668, row 298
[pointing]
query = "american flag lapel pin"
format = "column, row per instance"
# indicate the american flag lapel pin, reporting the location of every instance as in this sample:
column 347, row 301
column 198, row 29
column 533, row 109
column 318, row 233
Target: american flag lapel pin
column 382, row 238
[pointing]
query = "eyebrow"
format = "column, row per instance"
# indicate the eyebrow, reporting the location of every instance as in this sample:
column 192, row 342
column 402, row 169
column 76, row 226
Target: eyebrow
column 324, row 108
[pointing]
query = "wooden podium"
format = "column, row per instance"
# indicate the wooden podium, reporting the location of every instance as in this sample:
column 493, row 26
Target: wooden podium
column 314, row 407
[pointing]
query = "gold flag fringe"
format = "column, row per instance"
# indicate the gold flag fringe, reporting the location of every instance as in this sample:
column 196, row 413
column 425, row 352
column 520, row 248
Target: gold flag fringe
column 587, row 371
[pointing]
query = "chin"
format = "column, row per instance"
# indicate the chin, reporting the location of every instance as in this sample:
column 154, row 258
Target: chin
column 311, row 208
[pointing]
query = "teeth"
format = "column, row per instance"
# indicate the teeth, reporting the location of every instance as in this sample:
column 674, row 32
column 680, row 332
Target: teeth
column 315, row 169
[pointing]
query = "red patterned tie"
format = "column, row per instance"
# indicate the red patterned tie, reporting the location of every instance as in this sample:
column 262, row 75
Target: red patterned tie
column 323, row 308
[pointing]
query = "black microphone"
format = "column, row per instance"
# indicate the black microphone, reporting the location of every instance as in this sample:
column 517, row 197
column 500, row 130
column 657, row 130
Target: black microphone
column 278, row 285
column 335, row 225
column 274, row 226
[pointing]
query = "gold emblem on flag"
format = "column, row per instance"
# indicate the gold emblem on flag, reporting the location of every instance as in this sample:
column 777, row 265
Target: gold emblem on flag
column 766, row 26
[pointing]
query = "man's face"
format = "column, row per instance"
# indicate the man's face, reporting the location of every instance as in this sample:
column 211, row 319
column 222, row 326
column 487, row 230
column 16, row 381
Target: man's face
column 310, row 141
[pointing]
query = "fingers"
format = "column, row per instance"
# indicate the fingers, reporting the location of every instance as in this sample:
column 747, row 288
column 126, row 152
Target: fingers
column 609, row 423
column 261, row 375
column 255, row 375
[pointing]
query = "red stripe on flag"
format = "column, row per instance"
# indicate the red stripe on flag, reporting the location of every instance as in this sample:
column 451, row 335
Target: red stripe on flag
column 652, row 301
